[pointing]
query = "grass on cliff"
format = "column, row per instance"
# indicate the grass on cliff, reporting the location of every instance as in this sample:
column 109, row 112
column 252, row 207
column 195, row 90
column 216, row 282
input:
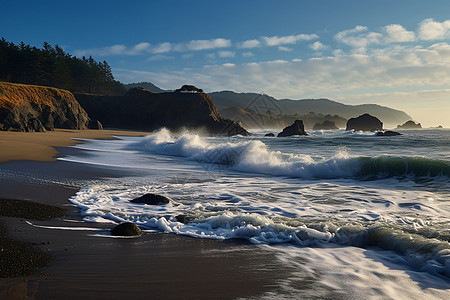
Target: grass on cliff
column 13, row 94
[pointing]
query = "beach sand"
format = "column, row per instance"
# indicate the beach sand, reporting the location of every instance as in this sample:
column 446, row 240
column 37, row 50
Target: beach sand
column 82, row 265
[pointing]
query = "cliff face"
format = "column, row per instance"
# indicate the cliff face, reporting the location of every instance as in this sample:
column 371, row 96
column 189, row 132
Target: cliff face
column 37, row 108
column 145, row 110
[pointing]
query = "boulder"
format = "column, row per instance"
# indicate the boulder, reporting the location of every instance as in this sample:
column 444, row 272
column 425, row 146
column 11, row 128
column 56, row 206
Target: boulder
column 388, row 133
column 410, row 125
column 126, row 229
column 270, row 134
column 37, row 108
column 295, row 129
column 365, row 122
column 440, row 126
column 326, row 125
column 151, row 199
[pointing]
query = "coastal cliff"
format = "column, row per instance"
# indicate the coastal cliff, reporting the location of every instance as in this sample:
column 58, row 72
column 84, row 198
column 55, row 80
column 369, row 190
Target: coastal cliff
column 37, row 108
column 146, row 110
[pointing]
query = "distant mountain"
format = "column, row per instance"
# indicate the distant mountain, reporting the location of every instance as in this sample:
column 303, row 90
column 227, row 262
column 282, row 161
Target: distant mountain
column 145, row 85
column 265, row 104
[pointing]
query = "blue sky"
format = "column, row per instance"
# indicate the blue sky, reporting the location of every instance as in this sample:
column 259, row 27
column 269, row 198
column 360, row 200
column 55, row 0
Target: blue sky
column 393, row 53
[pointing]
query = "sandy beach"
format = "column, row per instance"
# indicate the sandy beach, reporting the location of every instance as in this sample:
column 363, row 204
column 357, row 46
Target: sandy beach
column 83, row 265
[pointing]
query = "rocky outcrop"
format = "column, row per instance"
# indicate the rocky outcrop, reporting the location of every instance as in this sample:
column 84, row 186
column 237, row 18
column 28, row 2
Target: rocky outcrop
column 126, row 229
column 36, row 108
column 270, row 134
column 187, row 88
column 365, row 122
column 151, row 199
column 388, row 133
column 410, row 125
column 140, row 109
column 295, row 129
column 326, row 125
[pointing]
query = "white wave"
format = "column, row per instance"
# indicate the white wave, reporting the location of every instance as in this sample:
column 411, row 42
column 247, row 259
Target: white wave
column 252, row 156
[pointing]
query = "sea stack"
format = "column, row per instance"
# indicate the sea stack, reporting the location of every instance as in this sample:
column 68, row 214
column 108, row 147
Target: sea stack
column 365, row 122
column 295, row 129
column 410, row 125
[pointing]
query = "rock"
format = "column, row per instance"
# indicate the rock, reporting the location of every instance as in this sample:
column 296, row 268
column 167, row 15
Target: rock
column 126, row 229
column 37, row 108
column 410, row 125
column 188, row 89
column 326, row 125
column 364, row 122
column 440, row 126
column 151, row 199
column 270, row 134
column 388, row 133
column 295, row 129
column 95, row 124
column 140, row 109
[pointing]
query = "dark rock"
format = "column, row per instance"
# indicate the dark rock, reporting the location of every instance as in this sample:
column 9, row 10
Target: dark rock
column 151, row 199
column 326, row 125
column 440, row 126
column 410, row 125
column 183, row 219
column 95, row 124
column 295, row 129
column 388, row 133
column 270, row 134
column 189, row 89
column 126, row 229
column 364, row 122
column 36, row 108
column 140, row 109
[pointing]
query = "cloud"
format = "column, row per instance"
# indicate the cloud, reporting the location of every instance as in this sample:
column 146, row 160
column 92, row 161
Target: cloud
column 432, row 30
column 159, row 57
column 247, row 54
column 317, row 46
column 105, row 51
column 358, row 37
column 396, row 33
column 289, row 39
column 249, row 44
column 226, row 54
column 196, row 45
column 162, row 48
column 286, row 49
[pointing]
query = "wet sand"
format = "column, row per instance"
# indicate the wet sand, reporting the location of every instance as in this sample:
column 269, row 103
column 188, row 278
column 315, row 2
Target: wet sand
column 154, row 265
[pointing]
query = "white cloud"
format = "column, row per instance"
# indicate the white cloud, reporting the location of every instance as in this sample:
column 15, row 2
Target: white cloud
column 317, row 46
column 226, row 54
column 159, row 57
column 396, row 33
column 247, row 54
column 289, row 39
column 196, row 45
column 358, row 37
column 285, row 49
column 141, row 47
column 249, row 44
column 432, row 30
column 162, row 48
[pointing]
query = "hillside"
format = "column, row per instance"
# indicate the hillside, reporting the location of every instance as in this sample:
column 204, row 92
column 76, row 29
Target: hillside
column 37, row 108
column 264, row 104
column 146, row 110
column 145, row 85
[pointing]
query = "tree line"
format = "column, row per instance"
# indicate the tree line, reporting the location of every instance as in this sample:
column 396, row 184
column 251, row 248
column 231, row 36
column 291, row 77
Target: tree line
column 52, row 66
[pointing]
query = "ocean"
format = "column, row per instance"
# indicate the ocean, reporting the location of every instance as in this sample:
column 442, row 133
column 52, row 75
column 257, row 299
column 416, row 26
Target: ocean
column 348, row 211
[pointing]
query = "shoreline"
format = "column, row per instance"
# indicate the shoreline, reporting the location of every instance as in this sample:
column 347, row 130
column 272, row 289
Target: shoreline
column 40, row 146
column 153, row 265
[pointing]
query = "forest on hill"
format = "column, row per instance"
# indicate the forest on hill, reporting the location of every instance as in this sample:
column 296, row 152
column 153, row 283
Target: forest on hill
column 52, row 66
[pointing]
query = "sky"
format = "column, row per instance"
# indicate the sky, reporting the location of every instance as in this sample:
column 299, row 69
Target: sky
column 394, row 53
